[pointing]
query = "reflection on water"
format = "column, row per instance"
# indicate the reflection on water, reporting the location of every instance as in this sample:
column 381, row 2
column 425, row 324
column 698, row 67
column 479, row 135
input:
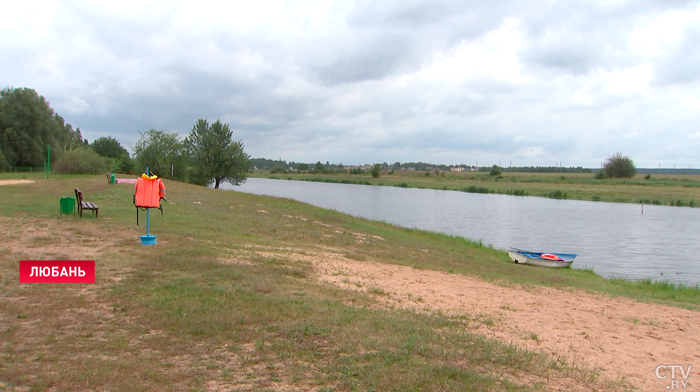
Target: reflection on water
column 614, row 239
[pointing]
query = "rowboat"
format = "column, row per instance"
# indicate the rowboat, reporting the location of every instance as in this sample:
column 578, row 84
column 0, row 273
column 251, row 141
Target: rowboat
column 553, row 260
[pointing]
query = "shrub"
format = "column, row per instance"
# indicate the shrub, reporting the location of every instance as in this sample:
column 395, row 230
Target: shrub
column 376, row 170
column 80, row 161
column 557, row 195
column 620, row 166
column 601, row 175
column 126, row 165
column 476, row 189
column 495, row 171
column 277, row 169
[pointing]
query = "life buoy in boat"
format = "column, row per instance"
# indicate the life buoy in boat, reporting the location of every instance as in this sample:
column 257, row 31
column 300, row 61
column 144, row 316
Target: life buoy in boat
column 551, row 257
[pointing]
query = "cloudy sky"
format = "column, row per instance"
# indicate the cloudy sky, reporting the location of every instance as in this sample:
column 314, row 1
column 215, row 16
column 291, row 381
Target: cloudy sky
column 458, row 81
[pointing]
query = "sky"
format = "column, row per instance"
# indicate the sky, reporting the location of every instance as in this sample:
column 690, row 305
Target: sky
column 508, row 82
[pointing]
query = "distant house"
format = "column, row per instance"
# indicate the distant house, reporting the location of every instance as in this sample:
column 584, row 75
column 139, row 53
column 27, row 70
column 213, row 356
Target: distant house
column 456, row 169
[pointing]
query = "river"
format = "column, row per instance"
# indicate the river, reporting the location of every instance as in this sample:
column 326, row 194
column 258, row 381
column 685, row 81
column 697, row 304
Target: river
column 615, row 239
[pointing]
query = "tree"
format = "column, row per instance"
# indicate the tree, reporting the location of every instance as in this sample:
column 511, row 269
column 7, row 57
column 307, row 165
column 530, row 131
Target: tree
column 216, row 157
column 68, row 138
column 376, row 170
column 619, row 166
column 302, row 167
column 108, row 147
column 495, row 171
column 158, row 150
column 125, row 165
column 3, row 163
column 27, row 126
column 319, row 167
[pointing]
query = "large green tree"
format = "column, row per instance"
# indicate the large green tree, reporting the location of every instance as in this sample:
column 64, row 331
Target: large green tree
column 216, row 157
column 160, row 151
column 619, row 166
column 109, row 147
column 28, row 126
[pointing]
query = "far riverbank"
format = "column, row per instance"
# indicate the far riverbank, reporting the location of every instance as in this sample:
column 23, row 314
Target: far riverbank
column 670, row 190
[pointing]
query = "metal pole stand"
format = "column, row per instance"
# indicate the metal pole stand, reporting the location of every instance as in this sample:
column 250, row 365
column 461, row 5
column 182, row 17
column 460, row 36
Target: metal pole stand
column 148, row 239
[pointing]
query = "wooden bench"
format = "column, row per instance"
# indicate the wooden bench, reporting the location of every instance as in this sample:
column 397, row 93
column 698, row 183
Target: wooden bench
column 85, row 205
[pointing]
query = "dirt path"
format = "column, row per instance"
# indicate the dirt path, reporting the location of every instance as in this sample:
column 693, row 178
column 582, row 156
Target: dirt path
column 624, row 338
column 15, row 182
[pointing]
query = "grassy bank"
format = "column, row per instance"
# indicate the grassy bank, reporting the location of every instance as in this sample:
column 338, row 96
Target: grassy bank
column 216, row 305
column 673, row 190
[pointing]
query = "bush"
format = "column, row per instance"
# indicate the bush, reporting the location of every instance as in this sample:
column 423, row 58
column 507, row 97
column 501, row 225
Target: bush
column 620, row 166
column 277, row 169
column 376, row 171
column 600, row 175
column 80, row 161
column 476, row 189
column 495, row 171
column 126, row 165
column 557, row 195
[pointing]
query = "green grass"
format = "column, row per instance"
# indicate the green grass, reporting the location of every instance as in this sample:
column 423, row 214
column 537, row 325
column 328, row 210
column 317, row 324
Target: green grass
column 217, row 303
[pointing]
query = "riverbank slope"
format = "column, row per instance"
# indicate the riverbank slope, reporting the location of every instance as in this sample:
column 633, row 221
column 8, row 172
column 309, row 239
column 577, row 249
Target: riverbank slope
column 247, row 292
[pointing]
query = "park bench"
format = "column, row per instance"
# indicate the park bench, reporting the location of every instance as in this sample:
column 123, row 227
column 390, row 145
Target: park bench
column 84, row 205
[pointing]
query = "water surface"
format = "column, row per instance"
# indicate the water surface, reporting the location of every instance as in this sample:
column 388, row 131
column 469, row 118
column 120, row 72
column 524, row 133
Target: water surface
column 616, row 240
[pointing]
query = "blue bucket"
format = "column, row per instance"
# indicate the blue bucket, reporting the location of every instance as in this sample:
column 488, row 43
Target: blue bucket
column 148, row 239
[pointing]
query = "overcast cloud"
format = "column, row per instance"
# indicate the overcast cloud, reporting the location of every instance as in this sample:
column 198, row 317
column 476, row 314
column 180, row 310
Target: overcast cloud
column 527, row 82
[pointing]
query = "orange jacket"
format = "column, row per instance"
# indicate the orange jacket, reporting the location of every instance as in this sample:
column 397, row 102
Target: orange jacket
column 149, row 191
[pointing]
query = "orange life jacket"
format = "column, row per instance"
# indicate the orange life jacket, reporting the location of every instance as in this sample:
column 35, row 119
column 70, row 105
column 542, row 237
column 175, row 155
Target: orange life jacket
column 149, row 191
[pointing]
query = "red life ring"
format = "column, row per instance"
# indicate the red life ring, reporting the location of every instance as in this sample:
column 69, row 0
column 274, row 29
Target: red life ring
column 550, row 257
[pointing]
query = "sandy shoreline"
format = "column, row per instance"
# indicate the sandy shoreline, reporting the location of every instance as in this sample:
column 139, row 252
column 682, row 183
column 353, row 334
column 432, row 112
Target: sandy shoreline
column 624, row 338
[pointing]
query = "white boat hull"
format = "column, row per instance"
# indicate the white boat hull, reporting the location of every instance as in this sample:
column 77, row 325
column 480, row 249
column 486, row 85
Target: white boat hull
column 519, row 258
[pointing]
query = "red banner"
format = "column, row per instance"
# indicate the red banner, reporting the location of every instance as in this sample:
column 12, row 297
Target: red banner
column 57, row 271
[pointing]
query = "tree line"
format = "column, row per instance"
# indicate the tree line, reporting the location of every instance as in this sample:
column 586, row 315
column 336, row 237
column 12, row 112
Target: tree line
column 28, row 125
